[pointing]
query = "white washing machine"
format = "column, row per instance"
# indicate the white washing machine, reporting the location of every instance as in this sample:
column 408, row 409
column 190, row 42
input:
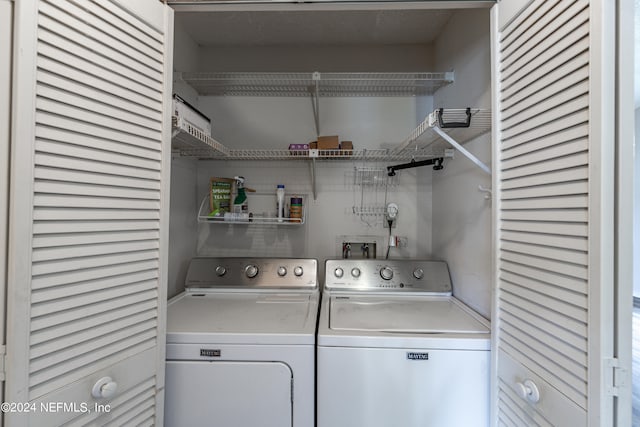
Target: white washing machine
column 241, row 344
column 396, row 349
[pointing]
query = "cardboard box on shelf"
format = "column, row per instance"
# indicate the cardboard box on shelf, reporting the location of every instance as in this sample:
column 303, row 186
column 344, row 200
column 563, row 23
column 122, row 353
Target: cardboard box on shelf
column 313, row 145
column 346, row 147
column 328, row 143
column 299, row 149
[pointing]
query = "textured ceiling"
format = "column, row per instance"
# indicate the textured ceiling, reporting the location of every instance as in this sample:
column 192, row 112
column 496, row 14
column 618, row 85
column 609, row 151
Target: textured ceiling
column 313, row 27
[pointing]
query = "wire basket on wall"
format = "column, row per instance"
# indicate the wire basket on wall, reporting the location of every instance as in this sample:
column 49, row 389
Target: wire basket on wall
column 370, row 186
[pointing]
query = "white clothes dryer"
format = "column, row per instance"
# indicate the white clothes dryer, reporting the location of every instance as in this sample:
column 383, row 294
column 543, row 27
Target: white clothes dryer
column 396, row 349
column 241, row 344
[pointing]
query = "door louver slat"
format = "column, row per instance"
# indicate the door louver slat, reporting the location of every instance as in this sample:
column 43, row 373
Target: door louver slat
column 75, row 74
column 51, row 240
column 51, row 174
column 67, row 341
column 55, row 145
column 118, row 43
column 98, row 94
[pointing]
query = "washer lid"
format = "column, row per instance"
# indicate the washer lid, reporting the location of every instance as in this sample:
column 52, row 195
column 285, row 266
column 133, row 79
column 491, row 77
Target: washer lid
column 426, row 315
column 242, row 318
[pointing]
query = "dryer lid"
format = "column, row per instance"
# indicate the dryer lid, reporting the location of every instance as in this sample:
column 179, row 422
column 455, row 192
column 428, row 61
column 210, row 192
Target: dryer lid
column 427, row 315
column 242, row 318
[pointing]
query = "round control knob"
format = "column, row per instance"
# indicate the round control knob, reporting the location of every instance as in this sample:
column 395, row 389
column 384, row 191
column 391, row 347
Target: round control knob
column 338, row 272
column 282, row 271
column 386, row 273
column 355, row 272
column 251, row 271
column 418, row 273
column 221, row 271
column 298, row 271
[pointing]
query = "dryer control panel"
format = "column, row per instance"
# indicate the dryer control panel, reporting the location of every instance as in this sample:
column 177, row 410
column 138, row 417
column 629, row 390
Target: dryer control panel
column 393, row 275
column 263, row 273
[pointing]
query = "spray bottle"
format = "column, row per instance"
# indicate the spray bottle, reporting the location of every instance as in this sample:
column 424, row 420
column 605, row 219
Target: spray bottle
column 240, row 204
column 280, row 202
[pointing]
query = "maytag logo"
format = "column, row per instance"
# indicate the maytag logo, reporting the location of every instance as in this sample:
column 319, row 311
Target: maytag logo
column 209, row 353
column 418, row 356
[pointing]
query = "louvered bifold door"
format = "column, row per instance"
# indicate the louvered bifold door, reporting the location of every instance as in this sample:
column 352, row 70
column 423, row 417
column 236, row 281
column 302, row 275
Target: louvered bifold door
column 89, row 209
column 554, row 192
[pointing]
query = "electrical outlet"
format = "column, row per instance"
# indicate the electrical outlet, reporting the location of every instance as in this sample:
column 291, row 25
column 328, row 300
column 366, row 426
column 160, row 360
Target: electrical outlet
column 390, row 215
column 391, row 211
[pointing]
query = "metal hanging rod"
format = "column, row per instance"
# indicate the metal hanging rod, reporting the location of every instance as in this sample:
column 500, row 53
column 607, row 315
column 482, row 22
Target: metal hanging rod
column 437, row 165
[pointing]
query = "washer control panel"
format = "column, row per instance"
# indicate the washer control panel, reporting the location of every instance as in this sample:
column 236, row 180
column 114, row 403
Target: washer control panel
column 393, row 275
column 277, row 273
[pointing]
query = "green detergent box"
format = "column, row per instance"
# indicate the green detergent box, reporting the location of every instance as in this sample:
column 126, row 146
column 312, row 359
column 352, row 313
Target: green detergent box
column 220, row 192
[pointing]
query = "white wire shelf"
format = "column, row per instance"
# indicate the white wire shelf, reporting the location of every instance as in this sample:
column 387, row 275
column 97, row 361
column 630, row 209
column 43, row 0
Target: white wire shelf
column 328, row 84
column 187, row 138
column 423, row 143
column 321, row 155
column 262, row 211
column 424, row 137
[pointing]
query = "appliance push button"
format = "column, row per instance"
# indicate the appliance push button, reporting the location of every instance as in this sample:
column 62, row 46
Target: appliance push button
column 251, row 271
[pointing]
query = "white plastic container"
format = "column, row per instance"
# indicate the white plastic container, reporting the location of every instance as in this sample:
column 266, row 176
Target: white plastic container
column 280, row 202
column 185, row 111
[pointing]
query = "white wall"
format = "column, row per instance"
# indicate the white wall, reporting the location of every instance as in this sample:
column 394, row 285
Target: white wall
column 274, row 122
column 461, row 215
column 183, row 226
column 186, row 54
column 277, row 122
column 183, row 231
column 332, row 58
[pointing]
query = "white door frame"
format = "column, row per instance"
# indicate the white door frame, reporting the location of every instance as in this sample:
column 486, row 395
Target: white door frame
column 6, row 34
column 625, row 128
